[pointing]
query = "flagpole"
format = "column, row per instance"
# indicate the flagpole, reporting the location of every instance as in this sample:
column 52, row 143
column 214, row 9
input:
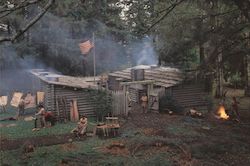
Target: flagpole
column 94, row 56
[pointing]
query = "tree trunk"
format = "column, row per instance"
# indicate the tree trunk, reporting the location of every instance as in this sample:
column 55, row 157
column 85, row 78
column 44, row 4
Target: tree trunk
column 219, row 88
column 247, row 92
column 202, row 53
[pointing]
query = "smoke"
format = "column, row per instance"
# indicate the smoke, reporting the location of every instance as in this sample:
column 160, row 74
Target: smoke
column 143, row 52
column 59, row 38
column 53, row 43
column 14, row 75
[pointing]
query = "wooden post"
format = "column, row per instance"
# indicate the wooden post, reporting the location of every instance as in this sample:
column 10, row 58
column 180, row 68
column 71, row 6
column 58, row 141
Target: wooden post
column 94, row 56
column 219, row 89
column 247, row 92
column 149, row 90
column 127, row 109
column 57, row 109
column 124, row 98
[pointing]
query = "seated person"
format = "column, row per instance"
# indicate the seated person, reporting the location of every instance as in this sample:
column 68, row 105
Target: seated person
column 81, row 127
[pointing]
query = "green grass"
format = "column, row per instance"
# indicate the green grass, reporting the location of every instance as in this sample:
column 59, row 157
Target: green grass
column 87, row 151
column 182, row 130
column 10, row 112
column 23, row 128
column 52, row 155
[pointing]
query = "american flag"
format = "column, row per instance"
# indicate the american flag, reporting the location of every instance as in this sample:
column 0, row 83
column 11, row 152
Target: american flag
column 85, row 47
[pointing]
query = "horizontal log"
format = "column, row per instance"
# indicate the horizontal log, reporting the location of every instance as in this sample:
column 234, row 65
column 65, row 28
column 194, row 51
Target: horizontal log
column 178, row 77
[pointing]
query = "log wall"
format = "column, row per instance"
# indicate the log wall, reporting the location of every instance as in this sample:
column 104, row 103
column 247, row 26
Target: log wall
column 190, row 96
column 55, row 93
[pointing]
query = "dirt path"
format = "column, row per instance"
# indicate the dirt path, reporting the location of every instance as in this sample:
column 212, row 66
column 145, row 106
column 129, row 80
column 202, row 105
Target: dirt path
column 38, row 141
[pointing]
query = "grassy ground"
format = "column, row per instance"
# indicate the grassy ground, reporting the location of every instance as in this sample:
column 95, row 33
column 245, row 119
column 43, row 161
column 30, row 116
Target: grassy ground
column 21, row 128
column 89, row 152
column 185, row 143
column 148, row 139
column 24, row 129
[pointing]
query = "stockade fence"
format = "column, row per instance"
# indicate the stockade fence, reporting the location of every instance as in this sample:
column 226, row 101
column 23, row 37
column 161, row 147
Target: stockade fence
column 119, row 103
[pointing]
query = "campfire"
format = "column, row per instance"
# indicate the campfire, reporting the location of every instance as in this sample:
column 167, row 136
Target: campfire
column 221, row 112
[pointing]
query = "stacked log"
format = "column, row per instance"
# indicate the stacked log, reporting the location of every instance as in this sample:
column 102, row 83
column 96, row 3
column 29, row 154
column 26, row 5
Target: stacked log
column 190, row 96
column 163, row 76
column 54, row 94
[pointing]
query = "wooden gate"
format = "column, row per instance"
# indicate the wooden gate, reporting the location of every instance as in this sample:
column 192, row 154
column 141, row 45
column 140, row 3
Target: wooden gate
column 119, row 103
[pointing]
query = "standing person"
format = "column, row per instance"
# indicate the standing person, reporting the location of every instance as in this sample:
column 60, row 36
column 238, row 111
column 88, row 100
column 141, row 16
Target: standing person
column 3, row 108
column 81, row 127
column 144, row 103
column 41, row 115
column 44, row 117
column 35, row 124
column 235, row 108
column 129, row 100
column 21, row 106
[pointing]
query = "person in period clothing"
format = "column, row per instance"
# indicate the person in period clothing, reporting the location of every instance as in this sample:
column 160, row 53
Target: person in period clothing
column 129, row 100
column 235, row 108
column 41, row 115
column 81, row 127
column 3, row 108
column 144, row 102
column 20, row 107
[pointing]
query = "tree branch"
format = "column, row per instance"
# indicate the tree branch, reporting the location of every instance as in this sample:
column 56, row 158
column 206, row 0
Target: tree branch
column 19, row 6
column 30, row 24
column 220, row 47
column 8, row 11
column 244, row 6
column 168, row 10
column 214, row 15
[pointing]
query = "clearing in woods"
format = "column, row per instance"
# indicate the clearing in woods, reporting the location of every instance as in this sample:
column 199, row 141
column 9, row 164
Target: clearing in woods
column 145, row 139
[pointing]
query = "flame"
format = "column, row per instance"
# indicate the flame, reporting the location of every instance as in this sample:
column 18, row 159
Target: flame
column 222, row 113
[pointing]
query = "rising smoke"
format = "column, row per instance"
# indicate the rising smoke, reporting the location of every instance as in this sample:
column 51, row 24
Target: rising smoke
column 14, row 75
column 54, row 44
column 143, row 52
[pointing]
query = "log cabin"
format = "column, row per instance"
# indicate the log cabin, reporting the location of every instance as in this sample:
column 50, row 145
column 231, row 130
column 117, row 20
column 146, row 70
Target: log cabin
column 181, row 86
column 60, row 90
